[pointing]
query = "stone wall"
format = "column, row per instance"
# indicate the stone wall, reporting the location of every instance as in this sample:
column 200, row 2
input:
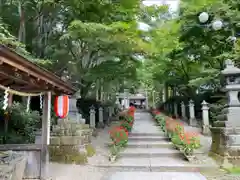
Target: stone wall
column 12, row 165
column 68, row 141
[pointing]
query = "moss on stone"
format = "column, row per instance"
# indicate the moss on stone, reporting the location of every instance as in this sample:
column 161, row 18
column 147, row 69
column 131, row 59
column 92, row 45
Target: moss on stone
column 90, row 150
column 67, row 155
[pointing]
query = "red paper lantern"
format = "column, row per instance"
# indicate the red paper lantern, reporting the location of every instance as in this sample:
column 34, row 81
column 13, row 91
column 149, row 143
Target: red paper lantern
column 61, row 106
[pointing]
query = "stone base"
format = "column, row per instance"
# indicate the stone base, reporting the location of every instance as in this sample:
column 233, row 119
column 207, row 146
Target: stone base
column 95, row 132
column 100, row 125
column 193, row 122
column 205, row 130
column 226, row 144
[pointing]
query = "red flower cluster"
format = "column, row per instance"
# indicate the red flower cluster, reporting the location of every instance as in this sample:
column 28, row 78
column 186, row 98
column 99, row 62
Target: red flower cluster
column 173, row 125
column 119, row 135
column 176, row 132
column 156, row 112
column 187, row 139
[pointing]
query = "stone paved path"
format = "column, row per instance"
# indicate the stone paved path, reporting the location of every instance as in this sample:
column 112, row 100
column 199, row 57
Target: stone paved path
column 151, row 156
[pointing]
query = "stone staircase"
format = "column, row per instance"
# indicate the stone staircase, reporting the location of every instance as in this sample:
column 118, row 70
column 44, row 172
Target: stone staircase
column 154, row 153
column 149, row 155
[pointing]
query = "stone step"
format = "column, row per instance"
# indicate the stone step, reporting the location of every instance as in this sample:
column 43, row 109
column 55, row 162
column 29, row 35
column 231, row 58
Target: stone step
column 163, row 164
column 146, row 144
column 149, row 144
column 155, row 176
column 147, row 138
column 146, row 134
column 150, row 152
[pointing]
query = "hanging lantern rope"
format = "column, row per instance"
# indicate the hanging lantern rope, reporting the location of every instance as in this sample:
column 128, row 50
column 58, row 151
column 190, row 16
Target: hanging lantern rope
column 11, row 91
column 41, row 102
column 28, row 103
column 5, row 102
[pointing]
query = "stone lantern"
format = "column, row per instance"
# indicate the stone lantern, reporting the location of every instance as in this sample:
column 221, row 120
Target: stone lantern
column 226, row 130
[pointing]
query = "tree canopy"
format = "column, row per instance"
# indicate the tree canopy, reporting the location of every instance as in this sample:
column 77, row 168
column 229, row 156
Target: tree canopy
column 87, row 42
column 97, row 44
column 191, row 54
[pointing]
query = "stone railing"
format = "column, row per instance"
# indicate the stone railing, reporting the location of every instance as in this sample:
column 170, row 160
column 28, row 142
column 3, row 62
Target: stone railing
column 105, row 114
column 187, row 112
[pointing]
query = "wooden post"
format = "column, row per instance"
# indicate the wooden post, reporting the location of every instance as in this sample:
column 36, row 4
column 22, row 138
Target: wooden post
column 46, row 123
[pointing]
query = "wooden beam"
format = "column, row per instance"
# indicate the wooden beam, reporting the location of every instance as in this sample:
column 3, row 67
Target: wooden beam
column 23, row 78
column 44, row 75
column 6, row 82
column 16, row 75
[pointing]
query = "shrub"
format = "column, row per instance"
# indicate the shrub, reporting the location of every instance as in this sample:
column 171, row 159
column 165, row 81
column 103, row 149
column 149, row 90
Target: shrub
column 127, row 126
column 127, row 123
column 21, row 125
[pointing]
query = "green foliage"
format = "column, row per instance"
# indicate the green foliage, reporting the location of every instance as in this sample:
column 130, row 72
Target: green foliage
column 7, row 39
column 191, row 55
column 75, row 37
column 21, row 125
column 161, row 122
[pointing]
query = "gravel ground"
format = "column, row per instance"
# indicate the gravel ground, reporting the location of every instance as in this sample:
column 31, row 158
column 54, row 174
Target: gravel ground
column 220, row 175
column 88, row 171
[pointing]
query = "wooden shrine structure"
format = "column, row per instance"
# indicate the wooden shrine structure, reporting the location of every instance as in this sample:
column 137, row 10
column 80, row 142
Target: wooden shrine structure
column 24, row 77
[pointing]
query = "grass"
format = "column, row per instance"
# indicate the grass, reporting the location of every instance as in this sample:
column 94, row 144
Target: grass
column 234, row 170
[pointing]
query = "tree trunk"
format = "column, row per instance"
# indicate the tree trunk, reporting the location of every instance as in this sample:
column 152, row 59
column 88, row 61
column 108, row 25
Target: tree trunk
column 22, row 29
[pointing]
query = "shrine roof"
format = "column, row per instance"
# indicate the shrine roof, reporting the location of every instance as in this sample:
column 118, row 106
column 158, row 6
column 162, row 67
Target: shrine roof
column 20, row 74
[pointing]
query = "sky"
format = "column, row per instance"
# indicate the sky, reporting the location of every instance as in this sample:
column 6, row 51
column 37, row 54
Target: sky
column 173, row 6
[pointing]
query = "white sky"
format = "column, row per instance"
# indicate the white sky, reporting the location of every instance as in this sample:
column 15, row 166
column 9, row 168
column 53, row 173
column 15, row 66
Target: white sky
column 173, row 6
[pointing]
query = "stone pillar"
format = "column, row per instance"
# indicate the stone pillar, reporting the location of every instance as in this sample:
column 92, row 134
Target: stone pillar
column 126, row 98
column 153, row 99
column 146, row 103
column 205, row 118
column 192, row 118
column 183, row 111
column 117, row 99
column 176, row 110
column 226, row 130
column 92, row 117
column 122, row 102
column 163, row 95
column 110, row 111
column 100, row 113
